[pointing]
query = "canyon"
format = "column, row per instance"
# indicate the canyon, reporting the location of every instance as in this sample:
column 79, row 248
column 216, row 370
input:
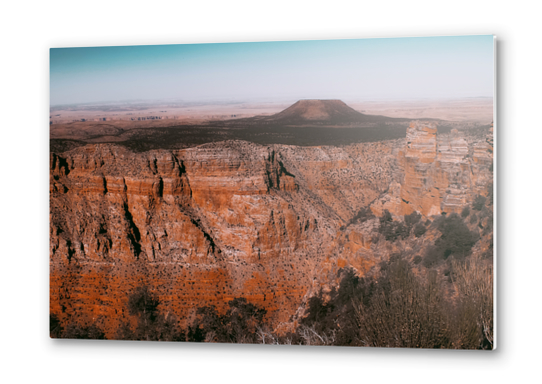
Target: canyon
column 273, row 223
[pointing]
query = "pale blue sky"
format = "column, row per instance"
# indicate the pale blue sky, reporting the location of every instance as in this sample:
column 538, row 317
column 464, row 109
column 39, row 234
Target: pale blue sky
column 364, row 69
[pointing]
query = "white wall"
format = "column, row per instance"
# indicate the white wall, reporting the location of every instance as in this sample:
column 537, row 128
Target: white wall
column 28, row 29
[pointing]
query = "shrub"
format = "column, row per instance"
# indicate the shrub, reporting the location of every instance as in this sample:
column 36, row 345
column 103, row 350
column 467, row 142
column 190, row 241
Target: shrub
column 55, row 328
column 75, row 331
column 334, row 320
column 143, row 302
column 392, row 230
column 151, row 323
column 124, row 332
column 240, row 324
column 456, row 240
column 419, row 230
column 465, row 212
column 473, row 280
column 404, row 311
column 412, row 219
column 401, row 308
column 479, row 202
column 432, row 257
column 363, row 215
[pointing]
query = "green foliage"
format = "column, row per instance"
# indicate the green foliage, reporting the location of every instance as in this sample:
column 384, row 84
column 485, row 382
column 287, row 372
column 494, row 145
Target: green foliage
column 419, row 230
column 142, row 302
column 125, row 332
column 479, row 203
column 432, row 257
column 363, row 215
column 412, row 219
column 465, row 212
column 151, row 323
column 75, row 331
column 55, row 328
column 392, row 230
column 456, row 241
column 242, row 320
column 238, row 325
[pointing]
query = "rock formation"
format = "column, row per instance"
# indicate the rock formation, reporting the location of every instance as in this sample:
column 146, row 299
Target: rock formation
column 201, row 225
column 324, row 112
column 442, row 174
column 205, row 224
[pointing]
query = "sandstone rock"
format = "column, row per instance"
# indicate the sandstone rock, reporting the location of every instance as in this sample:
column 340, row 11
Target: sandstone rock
column 441, row 173
column 203, row 225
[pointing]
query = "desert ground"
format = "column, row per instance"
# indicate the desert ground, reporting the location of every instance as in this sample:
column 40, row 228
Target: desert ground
column 472, row 109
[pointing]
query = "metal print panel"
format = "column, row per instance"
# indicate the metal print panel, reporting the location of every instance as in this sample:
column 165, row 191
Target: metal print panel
column 333, row 193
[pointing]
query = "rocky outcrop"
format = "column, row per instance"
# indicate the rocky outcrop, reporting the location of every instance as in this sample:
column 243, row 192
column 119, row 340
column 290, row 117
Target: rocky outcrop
column 203, row 225
column 442, row 174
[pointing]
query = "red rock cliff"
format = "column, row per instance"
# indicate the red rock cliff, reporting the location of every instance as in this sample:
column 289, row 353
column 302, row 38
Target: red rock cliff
column 203, row 225
column 440, row 173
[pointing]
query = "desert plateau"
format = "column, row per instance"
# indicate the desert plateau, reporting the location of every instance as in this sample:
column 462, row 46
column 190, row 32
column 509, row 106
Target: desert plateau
column 268, row 228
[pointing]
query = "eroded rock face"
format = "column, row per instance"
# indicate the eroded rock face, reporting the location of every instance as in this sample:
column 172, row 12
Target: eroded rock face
column 441, row 173
column 203, row 225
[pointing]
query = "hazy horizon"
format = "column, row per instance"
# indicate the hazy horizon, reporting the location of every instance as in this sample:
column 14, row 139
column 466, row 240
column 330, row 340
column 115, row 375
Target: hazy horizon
column 225, row 101
column 351, row 70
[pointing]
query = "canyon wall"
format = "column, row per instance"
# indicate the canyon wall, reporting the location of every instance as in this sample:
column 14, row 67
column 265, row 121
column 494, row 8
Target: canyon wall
column 200, row 226
column 203, row 225
column 441, row 174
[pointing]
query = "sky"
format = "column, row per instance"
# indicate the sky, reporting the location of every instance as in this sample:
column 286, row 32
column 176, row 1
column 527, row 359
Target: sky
column 356, row 69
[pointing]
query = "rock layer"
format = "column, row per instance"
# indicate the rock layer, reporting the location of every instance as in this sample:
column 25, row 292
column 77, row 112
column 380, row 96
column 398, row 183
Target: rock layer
column 441, row 174
column 203, row 225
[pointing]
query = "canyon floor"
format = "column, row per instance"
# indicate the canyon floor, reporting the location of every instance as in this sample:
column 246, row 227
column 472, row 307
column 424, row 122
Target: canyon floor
column 194, row 218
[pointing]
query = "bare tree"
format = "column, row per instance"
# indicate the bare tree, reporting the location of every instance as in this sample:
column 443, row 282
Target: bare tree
column 404, row 312
column 473, row 280
column 311, row 337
